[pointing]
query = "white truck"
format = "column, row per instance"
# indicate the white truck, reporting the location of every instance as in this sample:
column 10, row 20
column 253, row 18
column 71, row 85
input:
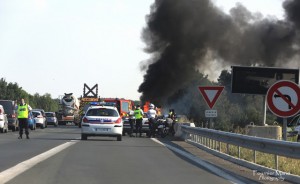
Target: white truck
column 68, row 112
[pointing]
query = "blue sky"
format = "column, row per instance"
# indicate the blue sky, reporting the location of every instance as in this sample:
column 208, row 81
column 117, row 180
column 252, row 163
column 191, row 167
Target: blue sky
column 55, row 46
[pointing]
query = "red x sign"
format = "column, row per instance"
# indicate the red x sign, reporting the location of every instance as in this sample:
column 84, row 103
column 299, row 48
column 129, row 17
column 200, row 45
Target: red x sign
column 283, row 98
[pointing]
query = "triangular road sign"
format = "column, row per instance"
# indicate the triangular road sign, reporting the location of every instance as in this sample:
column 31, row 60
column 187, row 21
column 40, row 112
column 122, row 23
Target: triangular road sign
column 211, row 94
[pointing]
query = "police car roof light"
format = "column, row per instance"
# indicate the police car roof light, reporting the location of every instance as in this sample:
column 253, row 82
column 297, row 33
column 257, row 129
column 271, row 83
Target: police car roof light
column 94, row 103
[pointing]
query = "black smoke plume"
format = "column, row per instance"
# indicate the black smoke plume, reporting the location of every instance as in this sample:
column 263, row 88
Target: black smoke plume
column 292, row 8
column 189, row 36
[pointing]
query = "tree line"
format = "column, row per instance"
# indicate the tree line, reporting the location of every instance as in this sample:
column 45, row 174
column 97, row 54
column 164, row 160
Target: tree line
column 234, row 110
column 12, row 91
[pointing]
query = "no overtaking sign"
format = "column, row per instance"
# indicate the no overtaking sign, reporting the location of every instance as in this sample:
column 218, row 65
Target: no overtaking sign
column 283, row 98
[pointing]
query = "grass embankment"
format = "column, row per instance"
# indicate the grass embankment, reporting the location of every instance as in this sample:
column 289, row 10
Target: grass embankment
column 287, row 165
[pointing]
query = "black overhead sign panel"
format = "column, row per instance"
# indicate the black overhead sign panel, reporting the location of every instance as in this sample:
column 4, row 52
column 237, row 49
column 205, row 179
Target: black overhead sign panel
column 257, row 80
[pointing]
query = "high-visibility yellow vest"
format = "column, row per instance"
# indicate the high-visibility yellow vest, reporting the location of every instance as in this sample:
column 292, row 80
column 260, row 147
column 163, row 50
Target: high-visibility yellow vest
column 138, row 114
column 23, row 111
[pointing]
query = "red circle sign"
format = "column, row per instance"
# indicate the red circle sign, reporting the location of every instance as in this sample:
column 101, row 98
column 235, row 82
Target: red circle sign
column 283, row 98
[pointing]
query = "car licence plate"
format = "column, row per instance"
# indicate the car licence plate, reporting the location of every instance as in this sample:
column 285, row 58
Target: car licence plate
column 102, row 129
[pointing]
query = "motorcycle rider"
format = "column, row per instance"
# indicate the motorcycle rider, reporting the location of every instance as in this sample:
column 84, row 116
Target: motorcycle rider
column 172, row 119
column 138, row 114
column 151, row 114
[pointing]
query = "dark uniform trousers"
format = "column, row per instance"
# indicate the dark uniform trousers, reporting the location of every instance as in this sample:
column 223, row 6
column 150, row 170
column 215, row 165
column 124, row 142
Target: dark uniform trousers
column 23, row 124
column 138, row 126
column 131, row 122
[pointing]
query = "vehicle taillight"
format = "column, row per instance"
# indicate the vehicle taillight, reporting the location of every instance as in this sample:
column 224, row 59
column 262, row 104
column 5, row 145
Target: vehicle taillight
column 119, row 120
column 85, row 120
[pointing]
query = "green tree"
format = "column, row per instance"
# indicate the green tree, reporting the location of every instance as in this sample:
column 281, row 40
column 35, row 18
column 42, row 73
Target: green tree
column 12, row 91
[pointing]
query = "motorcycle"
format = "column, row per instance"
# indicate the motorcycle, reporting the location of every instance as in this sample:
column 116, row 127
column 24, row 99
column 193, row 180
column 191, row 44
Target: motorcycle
column 162, row 128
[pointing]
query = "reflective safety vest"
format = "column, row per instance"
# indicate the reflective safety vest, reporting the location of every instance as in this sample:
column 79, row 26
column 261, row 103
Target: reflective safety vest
column 23, row 111
column 138, row 114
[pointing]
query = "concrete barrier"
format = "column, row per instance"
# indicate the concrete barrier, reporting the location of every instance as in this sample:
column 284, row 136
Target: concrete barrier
column 178, row 131
column 271, row 132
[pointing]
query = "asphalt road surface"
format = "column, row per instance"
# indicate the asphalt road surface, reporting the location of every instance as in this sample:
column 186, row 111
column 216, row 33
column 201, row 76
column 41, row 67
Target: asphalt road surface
column 57, row 155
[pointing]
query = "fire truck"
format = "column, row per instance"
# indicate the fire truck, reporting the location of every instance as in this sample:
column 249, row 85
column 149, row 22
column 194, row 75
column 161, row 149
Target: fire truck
column 123, row 105
column 90, row 96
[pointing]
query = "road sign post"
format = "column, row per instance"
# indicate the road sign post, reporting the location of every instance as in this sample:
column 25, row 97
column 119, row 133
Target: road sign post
column 283, row 101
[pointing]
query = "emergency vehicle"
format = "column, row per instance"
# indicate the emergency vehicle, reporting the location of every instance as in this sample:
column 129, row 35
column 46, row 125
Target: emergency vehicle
column 123, row 105
column 90, row 97
column 85, row 103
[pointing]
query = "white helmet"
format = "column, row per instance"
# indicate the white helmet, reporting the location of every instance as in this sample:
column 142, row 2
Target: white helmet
column 151, row 106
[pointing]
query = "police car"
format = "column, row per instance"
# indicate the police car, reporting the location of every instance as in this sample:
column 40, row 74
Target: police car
column 102, row 121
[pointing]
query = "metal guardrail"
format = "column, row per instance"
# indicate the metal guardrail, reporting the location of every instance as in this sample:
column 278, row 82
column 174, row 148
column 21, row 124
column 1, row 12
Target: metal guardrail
column 210, row 138
column 271, row 146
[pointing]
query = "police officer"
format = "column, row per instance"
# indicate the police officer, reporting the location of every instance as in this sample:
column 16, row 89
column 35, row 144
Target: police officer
column 23, row 111
column 172, row 116
column 151, row 114
column 138, row 114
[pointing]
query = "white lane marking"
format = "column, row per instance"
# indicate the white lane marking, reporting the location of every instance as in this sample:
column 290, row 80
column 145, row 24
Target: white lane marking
column 199, row 161
column 14, row 171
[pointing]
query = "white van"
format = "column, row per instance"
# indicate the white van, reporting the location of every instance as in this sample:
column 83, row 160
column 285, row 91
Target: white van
column 3, row 121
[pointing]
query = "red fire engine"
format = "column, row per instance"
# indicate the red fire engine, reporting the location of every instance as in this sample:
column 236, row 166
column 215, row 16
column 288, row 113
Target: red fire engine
column 122, row 104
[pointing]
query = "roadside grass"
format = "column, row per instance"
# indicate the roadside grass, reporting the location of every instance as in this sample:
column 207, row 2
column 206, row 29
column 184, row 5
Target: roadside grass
column 287, row 165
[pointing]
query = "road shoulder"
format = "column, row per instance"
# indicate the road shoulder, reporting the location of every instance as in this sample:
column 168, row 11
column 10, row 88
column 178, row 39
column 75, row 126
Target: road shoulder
column 241, row 172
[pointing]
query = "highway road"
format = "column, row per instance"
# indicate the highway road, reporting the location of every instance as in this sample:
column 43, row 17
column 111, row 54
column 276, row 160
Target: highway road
column 56, row 155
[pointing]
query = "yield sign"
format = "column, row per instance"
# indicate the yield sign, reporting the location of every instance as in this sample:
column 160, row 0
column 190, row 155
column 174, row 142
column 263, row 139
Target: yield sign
column 211, row 94
column 283, row 98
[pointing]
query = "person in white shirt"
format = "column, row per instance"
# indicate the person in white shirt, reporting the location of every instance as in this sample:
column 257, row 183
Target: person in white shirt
column 151, row 114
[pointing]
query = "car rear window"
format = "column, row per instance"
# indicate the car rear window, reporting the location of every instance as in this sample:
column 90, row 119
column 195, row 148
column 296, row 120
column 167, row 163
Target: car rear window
column 36, row 113
column 40, row 110
column 102, row 112
column 8, row 106
column 50, row 115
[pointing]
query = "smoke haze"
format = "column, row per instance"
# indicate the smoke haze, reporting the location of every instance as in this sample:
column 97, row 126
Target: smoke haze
column 190, row 36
